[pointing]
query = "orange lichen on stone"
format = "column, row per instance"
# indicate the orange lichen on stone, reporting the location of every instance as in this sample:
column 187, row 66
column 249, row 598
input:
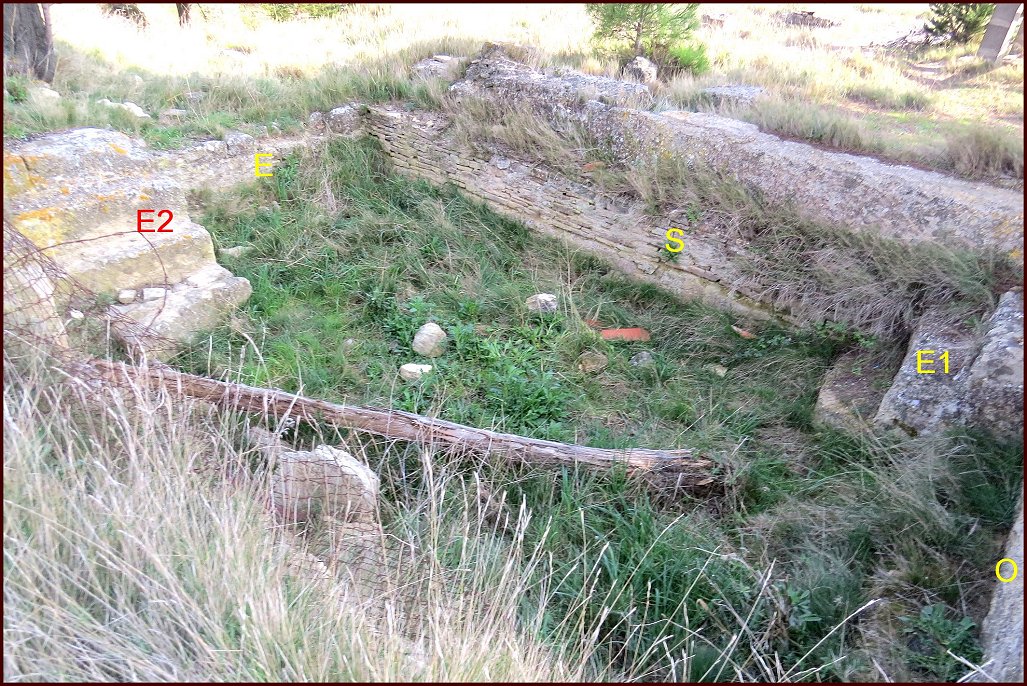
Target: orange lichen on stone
column 65, row 190
column 144, row 196
column 118, row 149
column 44, row 214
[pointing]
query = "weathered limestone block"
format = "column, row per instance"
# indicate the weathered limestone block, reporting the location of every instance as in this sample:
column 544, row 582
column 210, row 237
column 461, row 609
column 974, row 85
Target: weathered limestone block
column 983, row 387
column 852, row 389
column 905, row 203
column 133, row 260
column 1002, row 633
column 995, row 380
column 324, row 481
column 159, row 326
column 81, row 153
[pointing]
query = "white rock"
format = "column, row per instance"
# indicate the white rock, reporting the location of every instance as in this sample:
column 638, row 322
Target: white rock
column 541, row 302
column 237, row 251
column 75, row 314
column 153, row 294
column 316, row 120
column 430, row 340
column 130, row 107
column 126, row 296
column 413, row 372
column 642, row 359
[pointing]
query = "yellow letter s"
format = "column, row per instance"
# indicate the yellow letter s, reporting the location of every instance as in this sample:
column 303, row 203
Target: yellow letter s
column 675, row 239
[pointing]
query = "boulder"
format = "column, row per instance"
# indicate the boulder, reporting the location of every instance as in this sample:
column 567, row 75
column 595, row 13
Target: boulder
column 542, row 302
column 126, row 296
column 237, row 251
column 413, row 372
column 316, row 120
column 1002, row 632
column 430, row 340
column 150, row 294
column 42, row 93
column 641, row 69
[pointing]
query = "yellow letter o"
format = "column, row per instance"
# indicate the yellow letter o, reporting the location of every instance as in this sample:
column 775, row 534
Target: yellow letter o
column 998, row 565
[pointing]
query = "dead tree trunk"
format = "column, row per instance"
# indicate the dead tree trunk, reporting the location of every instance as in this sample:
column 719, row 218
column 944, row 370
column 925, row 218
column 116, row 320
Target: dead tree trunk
column 28, row 40
column 663, row 468
column 183, row 12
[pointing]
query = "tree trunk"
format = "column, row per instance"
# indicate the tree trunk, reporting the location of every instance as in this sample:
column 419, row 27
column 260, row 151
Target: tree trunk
column 662, row 469
column 28, row 40
column 183, row 12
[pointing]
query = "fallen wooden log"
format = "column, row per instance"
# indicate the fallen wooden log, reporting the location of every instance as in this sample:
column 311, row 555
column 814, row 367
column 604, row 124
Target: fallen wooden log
column 665, row 468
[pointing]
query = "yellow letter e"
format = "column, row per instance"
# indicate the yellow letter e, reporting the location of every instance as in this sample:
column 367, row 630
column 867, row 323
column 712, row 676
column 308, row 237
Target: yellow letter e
column 257, row 164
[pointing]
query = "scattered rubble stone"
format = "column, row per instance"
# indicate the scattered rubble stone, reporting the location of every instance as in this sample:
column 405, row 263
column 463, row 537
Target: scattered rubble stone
column 126, row 296
column 590, row 362
column 542, row 302
column 642, row 359
column 413, row 372
column 130, row 107
column 430, row 340
column 237, row 251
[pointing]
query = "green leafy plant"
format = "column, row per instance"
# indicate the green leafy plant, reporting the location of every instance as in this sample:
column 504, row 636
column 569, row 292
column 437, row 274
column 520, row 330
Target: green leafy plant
column 646, row 28
column 958, row 22
column 933, row 635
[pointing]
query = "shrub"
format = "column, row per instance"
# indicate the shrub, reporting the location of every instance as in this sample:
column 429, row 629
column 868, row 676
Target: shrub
column 959, row 22
column 692, row 58
column 646, row 27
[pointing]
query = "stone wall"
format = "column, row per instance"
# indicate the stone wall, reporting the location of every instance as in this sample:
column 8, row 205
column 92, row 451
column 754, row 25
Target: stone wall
column 902, row 202
column 420, row 144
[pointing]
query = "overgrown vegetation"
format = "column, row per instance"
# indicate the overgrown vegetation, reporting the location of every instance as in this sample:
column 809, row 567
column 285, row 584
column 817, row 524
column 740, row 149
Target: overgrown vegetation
column 334, row 309
column 822, row 557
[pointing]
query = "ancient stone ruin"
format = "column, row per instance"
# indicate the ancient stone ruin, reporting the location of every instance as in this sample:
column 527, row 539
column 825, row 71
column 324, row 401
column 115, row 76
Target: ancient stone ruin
column 73, row 197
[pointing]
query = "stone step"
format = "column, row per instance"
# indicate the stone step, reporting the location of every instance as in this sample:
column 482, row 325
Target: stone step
column 75, row 155
column 133, row 260
column 157, row 327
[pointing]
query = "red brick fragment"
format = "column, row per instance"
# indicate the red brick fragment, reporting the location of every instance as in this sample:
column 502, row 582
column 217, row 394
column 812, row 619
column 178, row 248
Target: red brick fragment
column 635, row 333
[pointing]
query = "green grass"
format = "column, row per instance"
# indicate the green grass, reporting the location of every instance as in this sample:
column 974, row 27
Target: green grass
column 352, row 259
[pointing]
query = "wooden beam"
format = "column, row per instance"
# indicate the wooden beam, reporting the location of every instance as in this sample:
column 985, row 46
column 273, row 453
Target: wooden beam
column 673, row 469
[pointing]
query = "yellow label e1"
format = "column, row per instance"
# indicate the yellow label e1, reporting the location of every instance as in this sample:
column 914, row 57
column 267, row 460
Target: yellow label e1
column 675, row 239
column 922, row 360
